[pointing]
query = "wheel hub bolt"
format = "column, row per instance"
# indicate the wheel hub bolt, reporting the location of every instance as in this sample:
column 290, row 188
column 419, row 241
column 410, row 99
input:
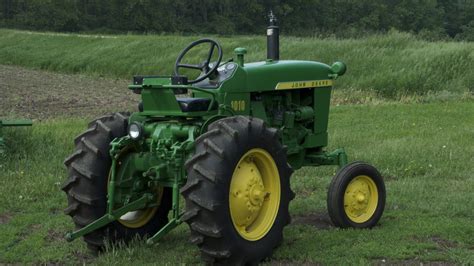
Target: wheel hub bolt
column 360, row 198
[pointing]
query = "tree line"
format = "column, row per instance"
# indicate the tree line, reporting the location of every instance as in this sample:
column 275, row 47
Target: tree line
column 432, row 19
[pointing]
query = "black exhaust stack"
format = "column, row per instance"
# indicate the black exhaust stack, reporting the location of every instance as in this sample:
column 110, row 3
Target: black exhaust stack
column 273, row 38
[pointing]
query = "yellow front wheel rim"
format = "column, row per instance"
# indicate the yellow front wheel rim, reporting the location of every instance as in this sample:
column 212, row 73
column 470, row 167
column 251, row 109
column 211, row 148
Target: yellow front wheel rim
column 254, row 196
column 361, row 199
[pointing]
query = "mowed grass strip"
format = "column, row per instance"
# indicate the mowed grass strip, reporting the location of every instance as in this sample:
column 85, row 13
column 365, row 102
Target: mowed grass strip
column 392, row 65
column 424, row 152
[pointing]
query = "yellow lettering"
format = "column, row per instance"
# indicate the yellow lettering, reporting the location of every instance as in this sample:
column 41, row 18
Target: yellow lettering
column 303, row 84
column 238, row 106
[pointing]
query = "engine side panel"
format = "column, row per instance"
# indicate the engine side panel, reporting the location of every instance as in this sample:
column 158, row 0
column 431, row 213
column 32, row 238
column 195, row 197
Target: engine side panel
column 301, row 115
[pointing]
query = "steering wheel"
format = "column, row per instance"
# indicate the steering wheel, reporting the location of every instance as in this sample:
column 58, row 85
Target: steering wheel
column 204, row 66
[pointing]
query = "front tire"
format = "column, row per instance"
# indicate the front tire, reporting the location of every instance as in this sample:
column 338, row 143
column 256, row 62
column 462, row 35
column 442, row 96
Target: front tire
column 238, row 191
column 86, row 188
column 356, row 196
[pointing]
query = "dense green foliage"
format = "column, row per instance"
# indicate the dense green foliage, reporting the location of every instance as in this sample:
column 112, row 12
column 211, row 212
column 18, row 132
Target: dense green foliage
column 433, row 19
column 396, row 64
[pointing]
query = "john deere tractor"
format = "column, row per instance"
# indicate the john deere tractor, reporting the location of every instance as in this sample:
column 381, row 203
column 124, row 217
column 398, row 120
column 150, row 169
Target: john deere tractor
column 227, row 141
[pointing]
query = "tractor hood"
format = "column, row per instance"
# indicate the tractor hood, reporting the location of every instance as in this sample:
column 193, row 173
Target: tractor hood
column 267, row 75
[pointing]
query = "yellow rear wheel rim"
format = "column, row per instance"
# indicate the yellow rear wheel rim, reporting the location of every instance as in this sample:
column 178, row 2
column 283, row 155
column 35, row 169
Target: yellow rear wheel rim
column 254, row 196
column 361, row 199
column 139, row 218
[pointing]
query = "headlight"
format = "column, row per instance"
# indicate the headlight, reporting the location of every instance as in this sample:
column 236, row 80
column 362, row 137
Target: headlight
column 135, row 131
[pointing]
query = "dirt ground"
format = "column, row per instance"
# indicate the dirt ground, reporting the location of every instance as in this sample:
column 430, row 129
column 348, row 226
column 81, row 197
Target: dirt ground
column 39, row 95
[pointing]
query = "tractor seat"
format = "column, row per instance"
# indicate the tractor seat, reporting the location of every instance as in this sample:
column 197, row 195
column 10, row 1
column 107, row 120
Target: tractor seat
column 194, row 104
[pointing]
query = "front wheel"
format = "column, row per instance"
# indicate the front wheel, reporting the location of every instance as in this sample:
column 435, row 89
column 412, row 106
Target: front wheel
column 356, row 196
column 238, row 191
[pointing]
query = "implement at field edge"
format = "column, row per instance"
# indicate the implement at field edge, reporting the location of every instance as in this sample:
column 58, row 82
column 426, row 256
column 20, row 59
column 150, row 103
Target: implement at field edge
column 11, row 123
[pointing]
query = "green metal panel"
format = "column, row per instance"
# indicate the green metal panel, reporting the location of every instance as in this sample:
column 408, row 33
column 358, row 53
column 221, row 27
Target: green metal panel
column 159, row 101
column 322, row 100
column 258, row 110
column 265, row 75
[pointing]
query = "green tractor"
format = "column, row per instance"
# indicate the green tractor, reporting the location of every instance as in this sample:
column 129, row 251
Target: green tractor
column 228, row 142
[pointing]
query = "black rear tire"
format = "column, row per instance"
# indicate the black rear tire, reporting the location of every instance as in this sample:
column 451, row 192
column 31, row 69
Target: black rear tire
column 86, row 187
column 206, row 192
column 345, row 209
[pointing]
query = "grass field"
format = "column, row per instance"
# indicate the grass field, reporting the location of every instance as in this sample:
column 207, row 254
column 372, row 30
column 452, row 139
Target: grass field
column 393, row 65
column 421, row 139
column 424, row 151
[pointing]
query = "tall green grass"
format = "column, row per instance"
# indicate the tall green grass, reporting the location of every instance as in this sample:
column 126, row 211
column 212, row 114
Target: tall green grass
column 391, row 65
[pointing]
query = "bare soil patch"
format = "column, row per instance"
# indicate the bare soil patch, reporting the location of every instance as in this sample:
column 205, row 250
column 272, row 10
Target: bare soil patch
column 84, row 258
column 54, row 236
column 290, row 263
column 318, row 220
column 444, row 243
column 35, row 94
column 5, row 218
column 410, row 262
